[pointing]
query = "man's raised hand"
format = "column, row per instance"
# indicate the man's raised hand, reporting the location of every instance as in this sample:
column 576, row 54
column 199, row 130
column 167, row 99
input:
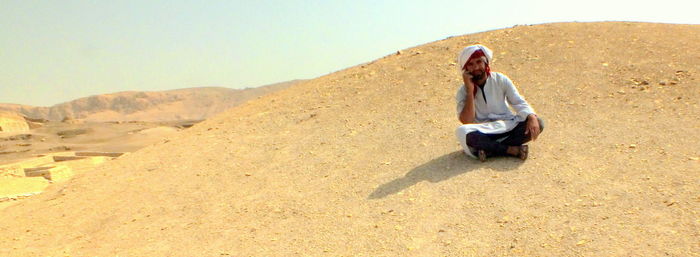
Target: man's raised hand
column 467, row 77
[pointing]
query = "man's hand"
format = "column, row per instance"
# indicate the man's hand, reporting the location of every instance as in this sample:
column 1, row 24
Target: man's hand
column 468, row 84
column 533, row 127
column 466, row 116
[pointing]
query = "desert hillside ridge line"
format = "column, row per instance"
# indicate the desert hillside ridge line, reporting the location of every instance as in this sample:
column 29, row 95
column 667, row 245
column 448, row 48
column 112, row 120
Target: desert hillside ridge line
column 364, row 162
column 171, row 105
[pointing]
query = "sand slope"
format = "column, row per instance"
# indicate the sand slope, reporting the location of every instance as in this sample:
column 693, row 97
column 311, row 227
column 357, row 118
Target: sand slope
column 11, row 122
column 363, row 162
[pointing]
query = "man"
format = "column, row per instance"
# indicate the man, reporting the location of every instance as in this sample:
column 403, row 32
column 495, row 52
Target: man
column 489, row 127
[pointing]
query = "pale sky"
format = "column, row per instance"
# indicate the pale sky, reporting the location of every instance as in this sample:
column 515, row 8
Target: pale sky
column 57, row 51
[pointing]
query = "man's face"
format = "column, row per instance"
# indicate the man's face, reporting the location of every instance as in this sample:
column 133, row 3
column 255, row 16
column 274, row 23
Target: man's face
column 477, row 67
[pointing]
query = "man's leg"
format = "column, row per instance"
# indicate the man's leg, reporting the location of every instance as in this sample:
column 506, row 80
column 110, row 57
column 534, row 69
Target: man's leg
column 486, row 142
column 502, row 144
column 517, row 136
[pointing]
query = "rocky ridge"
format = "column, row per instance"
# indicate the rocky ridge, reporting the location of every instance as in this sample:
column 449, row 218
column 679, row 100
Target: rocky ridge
column 171, row 105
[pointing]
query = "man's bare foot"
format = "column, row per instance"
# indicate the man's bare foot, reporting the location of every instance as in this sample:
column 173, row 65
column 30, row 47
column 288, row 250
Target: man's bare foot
column 482, row 155
column 513, row 150
column 522, row 154
column 518, row 151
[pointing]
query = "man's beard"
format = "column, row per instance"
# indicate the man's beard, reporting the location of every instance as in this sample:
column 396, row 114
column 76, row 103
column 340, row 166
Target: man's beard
column 479, row 76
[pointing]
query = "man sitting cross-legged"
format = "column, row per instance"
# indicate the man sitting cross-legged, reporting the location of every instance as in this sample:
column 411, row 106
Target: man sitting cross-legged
column 489, row 127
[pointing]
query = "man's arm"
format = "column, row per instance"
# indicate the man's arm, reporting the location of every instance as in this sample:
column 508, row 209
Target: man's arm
column 523, row 109
column 466, row 116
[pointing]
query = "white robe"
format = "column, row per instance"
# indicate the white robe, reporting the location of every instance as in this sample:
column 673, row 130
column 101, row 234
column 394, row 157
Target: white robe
column 493, row 115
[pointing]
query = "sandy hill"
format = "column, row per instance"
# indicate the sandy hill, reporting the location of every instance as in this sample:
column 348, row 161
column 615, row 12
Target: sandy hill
column 363, row 162
column 179, row 104
column 12, row 122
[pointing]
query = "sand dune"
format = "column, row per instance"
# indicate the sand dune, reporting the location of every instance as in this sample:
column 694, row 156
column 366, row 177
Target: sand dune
column 363, row 162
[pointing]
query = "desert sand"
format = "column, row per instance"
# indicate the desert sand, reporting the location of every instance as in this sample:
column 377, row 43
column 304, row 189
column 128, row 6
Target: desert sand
column 364, row 162
column 53, row 152
column 36, row 149
column 75, row 135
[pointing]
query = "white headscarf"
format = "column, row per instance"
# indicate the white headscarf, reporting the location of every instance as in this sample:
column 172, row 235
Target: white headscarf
column 467, row 52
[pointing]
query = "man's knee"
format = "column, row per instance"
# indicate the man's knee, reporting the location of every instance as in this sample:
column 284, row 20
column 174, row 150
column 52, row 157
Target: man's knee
column 541, row 121
column 473, row 137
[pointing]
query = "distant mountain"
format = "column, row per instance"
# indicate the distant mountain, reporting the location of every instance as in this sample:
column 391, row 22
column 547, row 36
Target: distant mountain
column 179, row 104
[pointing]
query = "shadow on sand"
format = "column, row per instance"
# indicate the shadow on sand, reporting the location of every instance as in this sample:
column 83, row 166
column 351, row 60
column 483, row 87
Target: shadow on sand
column 440, row 169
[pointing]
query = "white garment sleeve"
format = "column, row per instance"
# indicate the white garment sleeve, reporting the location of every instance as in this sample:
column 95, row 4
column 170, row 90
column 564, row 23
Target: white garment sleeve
column 522, row 108
column 460, row 98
